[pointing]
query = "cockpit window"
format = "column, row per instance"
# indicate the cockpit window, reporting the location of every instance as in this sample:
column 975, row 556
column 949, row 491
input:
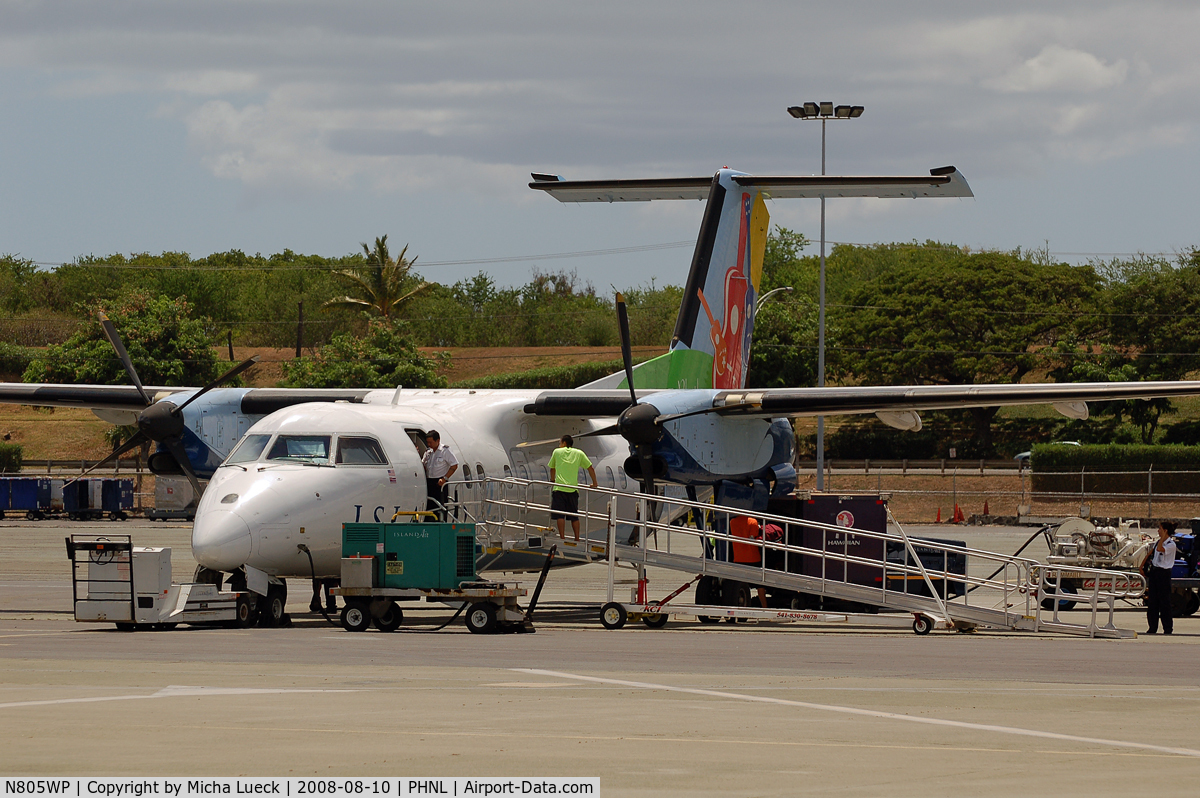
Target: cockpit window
column 359, row 451
column 249, row 449
column 301, row 448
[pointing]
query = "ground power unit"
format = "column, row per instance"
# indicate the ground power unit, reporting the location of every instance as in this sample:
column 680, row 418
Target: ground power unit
column 431, row 556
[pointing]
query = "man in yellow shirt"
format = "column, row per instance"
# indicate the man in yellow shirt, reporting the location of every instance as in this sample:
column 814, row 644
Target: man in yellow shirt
column 565, row 464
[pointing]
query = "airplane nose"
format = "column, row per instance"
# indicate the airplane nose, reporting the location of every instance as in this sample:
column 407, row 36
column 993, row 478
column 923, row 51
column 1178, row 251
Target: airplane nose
column 220, row 540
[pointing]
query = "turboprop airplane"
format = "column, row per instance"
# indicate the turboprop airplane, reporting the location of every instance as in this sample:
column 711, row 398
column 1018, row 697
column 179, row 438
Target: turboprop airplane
column 309, row 461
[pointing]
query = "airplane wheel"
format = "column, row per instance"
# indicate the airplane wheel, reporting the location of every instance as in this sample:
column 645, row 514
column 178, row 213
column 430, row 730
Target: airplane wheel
column 613, row 616
column 655, row 620
column 481, row 618
column 245, row 613
column 391, row 618
column 922, row 625
column 355, row 618
column 272, row 606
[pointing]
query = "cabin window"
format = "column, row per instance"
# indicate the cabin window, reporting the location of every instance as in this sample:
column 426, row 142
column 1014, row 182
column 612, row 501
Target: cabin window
column 249, row 449
column 466, row 472
column 359, row 451
column 545, row 473
column 301, row 448
column 507, row 471
column 609, row 480
column 521, row 470
column 479, row 470
column 624, row 482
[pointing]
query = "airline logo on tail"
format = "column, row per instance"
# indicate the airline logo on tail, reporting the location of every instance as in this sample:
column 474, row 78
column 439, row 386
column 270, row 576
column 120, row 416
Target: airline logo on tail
column 734, row 289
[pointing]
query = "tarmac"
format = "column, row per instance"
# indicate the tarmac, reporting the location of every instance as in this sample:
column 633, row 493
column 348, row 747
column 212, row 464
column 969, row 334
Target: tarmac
column 745, row 709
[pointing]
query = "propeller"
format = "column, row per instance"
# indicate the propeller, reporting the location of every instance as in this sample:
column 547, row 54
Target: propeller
column 640, row 422
column 160, row 422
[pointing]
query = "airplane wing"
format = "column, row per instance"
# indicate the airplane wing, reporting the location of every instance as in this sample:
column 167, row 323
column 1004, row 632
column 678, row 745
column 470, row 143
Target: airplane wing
column 943, row 182
column 95, row 397
column 255, row 401
column 1071, row 398
column 876, row 399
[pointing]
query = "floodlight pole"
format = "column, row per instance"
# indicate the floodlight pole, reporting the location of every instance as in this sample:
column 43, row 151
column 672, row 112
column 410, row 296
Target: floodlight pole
column 821, row 330
column 824, row 111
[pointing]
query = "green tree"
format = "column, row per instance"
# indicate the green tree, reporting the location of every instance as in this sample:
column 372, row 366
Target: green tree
column 166, row 345
column 1156, row 304
column 383, row 358
column 384, row 284
column 960, row 319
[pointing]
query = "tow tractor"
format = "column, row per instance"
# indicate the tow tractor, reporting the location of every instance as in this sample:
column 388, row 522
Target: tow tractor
column 383, row 564
column 114, row 581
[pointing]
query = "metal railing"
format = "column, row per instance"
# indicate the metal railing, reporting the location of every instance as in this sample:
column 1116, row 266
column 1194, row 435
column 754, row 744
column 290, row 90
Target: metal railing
column 898, row 573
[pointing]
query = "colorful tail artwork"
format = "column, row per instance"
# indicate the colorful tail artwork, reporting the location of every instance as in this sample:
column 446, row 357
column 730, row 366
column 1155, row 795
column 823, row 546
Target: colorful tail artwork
column 711, row 344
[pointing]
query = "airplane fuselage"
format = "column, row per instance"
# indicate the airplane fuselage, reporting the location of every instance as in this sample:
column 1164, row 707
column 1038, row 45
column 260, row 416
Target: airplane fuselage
column 264, row 502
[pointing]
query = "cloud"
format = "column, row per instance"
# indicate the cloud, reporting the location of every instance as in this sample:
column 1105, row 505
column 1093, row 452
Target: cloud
column 1058, row 68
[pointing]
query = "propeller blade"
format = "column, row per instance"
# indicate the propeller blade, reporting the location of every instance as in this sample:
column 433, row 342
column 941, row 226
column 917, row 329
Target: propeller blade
column 233, row 372
column 135, row 440
column 646, row 456
column 609, row 430
column 175, row 447
column 626, row 346
column 110, row 331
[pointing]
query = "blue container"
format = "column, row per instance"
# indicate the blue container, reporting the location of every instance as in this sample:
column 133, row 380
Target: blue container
column 75, row 496
column 116, row 495
column 5, row 492
column 24, row 493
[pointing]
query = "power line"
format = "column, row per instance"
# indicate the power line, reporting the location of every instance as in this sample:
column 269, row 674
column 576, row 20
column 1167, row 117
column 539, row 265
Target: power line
column 268, row 266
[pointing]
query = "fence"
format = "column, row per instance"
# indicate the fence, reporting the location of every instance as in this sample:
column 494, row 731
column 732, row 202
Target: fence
column 923, row 491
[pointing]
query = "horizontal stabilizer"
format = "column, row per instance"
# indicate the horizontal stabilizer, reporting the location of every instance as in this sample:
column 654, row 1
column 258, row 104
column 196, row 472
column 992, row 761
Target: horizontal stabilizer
column 943, row 182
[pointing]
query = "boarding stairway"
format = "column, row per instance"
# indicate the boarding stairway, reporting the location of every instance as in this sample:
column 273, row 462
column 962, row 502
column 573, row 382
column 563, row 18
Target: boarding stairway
column 512, row 515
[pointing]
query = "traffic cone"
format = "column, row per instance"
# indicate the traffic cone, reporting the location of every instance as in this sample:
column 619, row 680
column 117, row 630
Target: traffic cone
column 985, row 508
column 958, row 515
column 939, row 518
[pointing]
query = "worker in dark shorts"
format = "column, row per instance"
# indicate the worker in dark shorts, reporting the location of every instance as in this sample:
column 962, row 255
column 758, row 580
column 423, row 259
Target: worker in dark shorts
column 565, row 465
column 1157, row 569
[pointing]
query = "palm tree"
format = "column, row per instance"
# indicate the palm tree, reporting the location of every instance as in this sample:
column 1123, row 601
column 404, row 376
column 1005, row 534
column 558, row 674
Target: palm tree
column 380, row 282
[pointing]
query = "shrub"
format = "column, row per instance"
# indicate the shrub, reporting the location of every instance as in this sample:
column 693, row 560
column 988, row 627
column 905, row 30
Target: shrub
column 549, row 378
column 10, row 457
column 1115, row 468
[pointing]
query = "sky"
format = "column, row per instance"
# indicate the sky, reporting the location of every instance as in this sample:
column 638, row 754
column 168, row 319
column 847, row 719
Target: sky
column 209, row 126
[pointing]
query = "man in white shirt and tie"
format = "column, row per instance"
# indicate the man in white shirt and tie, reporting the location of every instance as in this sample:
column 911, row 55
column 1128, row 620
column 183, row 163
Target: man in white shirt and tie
column 1157, row 569
column 440, row 464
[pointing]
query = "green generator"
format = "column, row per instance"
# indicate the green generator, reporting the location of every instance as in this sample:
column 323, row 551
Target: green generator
column 415, row 555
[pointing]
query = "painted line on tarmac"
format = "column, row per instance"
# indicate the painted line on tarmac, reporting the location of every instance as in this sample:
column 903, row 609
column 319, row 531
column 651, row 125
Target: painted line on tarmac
column 171, row 691
column 871, row 713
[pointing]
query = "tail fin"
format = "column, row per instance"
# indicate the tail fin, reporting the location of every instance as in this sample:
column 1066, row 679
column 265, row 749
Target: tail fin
column 716, row 319
column 711, row 344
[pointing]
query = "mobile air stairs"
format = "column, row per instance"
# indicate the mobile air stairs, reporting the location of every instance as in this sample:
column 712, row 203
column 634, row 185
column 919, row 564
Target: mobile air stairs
column 934, row 583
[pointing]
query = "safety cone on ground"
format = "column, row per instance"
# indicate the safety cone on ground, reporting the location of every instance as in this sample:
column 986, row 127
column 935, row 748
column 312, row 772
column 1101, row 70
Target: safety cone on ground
column 958, row 515
column 939, row 518
column 985, row 508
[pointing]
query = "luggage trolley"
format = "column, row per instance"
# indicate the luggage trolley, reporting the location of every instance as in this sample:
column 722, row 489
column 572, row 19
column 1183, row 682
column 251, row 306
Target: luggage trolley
column 114, row 581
